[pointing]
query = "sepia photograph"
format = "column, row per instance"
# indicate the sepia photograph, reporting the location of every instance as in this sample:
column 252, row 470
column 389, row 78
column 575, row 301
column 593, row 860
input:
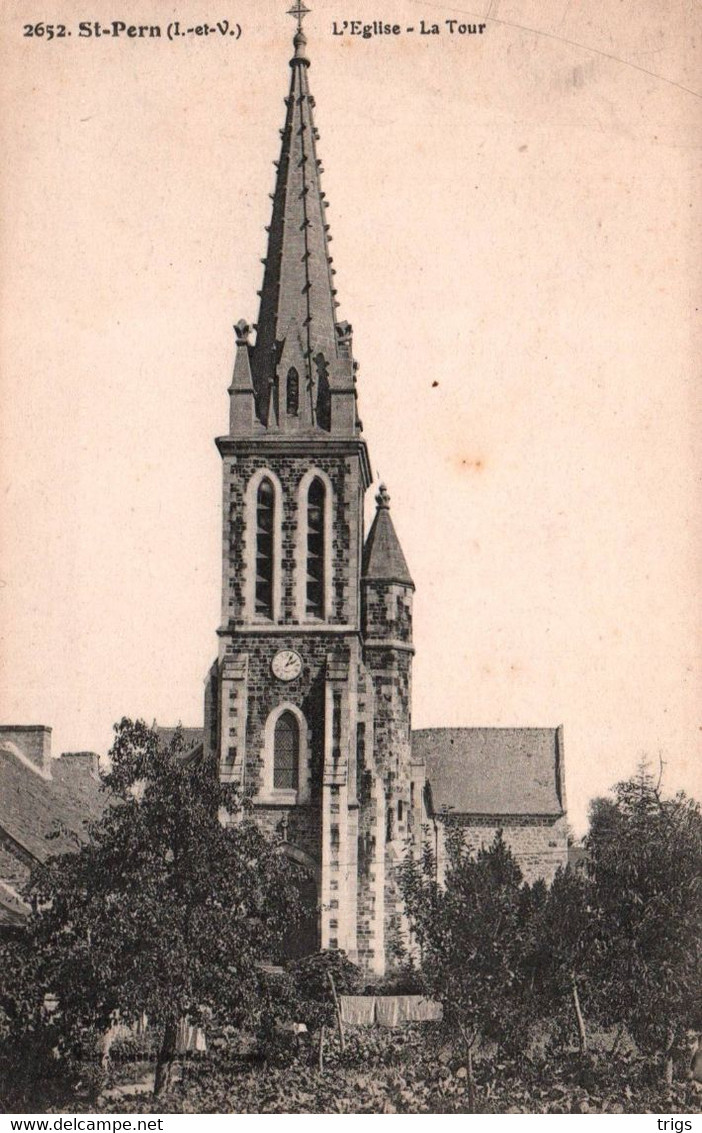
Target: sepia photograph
column 350, row 560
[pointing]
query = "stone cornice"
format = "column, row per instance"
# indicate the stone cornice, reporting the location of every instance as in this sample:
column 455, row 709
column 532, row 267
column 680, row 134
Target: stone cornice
column 280, row 630
column 387, row 643
column 304, row 445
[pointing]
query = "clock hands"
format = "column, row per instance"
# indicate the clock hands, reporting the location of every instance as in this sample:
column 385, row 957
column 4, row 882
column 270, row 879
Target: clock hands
column 287, row 665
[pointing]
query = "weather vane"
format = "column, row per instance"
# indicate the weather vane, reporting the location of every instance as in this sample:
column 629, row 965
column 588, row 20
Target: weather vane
column 299, row 11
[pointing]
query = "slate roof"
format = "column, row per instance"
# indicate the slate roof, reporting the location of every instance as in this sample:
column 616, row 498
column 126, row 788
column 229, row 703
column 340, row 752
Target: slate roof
column 191, row 736
column 383, row 559
column 35, row 804
column 492, row 771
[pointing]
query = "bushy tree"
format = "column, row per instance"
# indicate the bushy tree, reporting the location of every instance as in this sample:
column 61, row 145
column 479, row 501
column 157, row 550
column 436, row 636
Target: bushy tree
column 32, row 1034
column 562, row 949
column 312, row 974
column 167, row 910
column 470, row 931
column 303, row 993
column 645, row 862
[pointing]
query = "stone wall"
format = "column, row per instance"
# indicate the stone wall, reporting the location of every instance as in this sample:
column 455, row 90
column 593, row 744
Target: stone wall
column 238, row 543
column 387, row 629
column 539, row 843
column 370, row 796
column 264, row 694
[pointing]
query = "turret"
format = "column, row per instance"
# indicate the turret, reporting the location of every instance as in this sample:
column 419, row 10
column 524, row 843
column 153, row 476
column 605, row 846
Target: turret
column 386, row 583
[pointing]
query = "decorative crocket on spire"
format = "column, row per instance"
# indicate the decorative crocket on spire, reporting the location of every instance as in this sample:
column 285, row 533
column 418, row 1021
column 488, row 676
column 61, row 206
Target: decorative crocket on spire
column 301, row 356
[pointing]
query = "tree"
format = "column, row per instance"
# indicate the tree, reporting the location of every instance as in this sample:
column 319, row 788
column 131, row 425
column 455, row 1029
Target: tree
column 169, row 908
column 645, row 856
column 558, row 960
column 470, row 932
column 306, row 993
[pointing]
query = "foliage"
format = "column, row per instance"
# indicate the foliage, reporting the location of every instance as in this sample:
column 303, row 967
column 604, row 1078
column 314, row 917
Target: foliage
column 471, row 935
column 31, row 1036
column 646, row 872
column 407, row 979
column 133, row 1047
column 167, row 911
column 561, row 953
column 304, row 993
column 411, row 1071
column 311, row 975
column 42, row 1061
column 619, row 945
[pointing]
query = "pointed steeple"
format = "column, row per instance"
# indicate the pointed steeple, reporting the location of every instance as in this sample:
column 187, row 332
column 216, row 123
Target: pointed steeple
column 383, row 559
column 302, row 357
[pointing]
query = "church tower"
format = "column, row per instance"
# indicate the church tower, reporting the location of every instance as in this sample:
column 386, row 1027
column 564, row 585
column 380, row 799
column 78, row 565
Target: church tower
column 307, row 706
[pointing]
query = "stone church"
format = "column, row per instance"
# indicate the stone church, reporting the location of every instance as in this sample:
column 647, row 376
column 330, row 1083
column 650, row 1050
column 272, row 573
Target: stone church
column 308, row 704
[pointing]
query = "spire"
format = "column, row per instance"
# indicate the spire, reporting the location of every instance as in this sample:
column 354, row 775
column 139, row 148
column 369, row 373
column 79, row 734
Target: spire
column 383, row 560
column 297, row 330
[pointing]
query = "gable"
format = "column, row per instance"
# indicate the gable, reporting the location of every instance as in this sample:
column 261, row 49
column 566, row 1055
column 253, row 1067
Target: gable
column 492, row 771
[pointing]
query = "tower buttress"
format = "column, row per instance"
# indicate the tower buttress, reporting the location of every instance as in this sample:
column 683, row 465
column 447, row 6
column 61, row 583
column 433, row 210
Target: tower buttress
column 387, row 591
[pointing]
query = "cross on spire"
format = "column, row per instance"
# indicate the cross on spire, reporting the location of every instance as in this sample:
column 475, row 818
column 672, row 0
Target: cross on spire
column 298, row 11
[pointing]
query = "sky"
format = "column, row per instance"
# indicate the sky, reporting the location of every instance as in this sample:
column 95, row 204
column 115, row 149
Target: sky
column 516, row 232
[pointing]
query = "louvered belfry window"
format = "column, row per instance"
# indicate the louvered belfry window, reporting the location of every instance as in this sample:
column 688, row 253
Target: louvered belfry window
column 315, row 550
column 286, row 753
column 265, row 508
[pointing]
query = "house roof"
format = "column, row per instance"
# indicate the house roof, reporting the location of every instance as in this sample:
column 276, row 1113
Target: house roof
column 58, row 801
column 492, row 771
column 191, row 736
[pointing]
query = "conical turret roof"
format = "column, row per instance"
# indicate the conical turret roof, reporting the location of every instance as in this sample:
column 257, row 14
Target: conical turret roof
column 383, row 558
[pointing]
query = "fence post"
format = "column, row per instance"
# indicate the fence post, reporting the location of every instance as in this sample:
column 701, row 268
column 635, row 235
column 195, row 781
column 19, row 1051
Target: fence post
column 337, row 1005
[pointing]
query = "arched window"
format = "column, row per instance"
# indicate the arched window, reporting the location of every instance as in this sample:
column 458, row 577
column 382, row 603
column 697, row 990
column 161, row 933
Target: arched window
column 265, row 507
column 315, row 550
column 286, row 753
column 292, row 395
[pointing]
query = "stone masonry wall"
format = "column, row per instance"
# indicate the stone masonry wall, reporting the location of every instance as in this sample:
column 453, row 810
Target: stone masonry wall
column 539, row 843
column 387, row 619
column 344, row 475
column 265, row 694
column 371, row 844
column 387, row 611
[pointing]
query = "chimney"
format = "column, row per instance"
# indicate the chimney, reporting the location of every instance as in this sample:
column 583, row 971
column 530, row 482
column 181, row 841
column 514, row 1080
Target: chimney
column 31, row 743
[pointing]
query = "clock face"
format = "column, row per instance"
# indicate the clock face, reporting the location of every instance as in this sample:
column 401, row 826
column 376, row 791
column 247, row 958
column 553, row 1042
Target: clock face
column 286, row 665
